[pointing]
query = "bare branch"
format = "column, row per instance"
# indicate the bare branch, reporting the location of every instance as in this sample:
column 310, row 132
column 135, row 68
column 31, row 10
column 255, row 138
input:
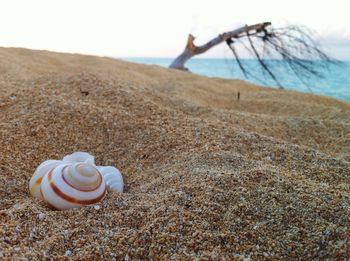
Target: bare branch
column 229, row 43
column 192, row 50
column 262, row 63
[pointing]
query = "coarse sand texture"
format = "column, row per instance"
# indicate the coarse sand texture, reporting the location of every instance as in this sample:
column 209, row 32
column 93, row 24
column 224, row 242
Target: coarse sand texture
column 206, row 176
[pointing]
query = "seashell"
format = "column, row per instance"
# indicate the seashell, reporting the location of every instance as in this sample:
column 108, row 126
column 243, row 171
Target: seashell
column 74, row 181
column 40, row 172
column 73, row 185
column 113, row 178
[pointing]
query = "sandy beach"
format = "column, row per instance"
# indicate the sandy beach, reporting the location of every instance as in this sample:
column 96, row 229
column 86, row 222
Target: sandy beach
column 207, row 176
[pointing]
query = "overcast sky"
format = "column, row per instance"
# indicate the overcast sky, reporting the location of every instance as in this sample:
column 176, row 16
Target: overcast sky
column 159, row 28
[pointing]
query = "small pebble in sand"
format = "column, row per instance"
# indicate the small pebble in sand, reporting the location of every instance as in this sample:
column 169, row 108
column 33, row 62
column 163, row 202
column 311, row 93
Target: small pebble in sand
column 68, row 253
column 97, row 207
column 41, row 216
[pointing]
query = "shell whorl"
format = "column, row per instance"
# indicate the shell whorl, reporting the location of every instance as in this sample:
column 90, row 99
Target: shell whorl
column 82, row 177
column 40, row 172
column 113, row 178
column 73, row 185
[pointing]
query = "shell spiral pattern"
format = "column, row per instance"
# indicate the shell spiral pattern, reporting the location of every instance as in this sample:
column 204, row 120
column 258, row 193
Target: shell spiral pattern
column 74, row 181
column 71, row 186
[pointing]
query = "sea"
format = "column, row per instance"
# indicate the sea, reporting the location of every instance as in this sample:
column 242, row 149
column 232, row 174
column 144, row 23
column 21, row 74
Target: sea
column 335, row 80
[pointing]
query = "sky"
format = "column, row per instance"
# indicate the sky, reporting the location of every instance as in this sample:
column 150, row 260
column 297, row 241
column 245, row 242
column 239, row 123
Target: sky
column 159, row 28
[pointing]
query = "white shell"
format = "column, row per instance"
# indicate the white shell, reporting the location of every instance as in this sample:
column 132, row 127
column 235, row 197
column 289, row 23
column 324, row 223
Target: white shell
column 73, row 185
column 78, row 172
column 40, row 172
column 113, row 178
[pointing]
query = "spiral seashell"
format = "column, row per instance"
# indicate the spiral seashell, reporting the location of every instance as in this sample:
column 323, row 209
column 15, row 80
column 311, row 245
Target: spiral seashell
column 40, row 172
column 73, row 185
column 74, row 181
column 113, row 178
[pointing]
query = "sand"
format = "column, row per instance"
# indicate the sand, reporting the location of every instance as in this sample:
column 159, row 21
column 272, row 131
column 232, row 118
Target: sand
column 207, row 176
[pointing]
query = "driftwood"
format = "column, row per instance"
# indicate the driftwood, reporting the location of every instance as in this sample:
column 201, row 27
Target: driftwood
column 293, row 45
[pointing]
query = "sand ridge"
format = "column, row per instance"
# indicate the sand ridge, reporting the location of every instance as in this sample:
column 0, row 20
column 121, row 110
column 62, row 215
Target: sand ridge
column 207, row 176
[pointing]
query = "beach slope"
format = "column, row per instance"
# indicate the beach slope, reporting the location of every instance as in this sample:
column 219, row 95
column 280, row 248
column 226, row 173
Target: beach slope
column 207, row 175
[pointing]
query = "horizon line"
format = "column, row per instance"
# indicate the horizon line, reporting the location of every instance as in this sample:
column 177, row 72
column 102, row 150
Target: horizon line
column 201, row 58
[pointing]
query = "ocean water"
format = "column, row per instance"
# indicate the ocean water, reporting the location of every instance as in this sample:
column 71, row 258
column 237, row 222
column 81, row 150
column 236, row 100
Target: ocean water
column 335, row 83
